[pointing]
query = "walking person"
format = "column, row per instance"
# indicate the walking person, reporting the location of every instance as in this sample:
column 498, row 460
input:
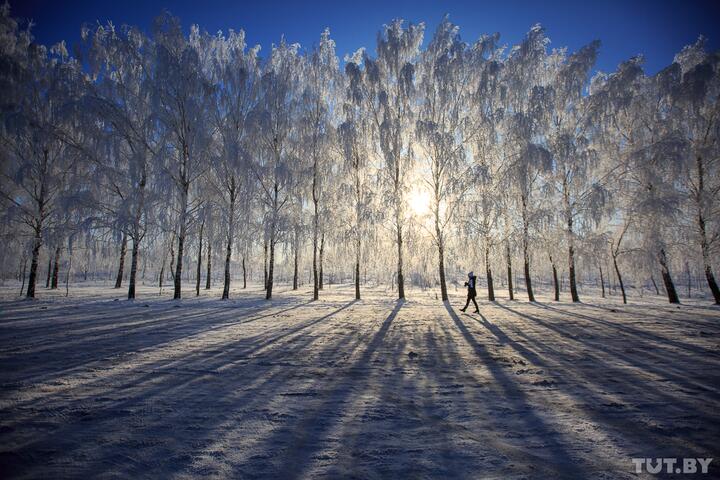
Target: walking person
column 472, row 293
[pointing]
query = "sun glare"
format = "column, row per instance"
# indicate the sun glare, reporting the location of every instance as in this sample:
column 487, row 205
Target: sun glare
column 419, row 201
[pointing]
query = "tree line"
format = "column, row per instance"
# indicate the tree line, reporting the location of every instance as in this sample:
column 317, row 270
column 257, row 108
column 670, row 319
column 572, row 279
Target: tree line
column 162, row 143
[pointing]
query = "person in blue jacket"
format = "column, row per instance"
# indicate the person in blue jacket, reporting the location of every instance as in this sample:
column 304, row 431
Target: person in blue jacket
column 472, row 293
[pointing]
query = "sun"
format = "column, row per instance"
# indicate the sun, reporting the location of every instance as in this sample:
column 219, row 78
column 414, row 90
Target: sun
column 419, row 201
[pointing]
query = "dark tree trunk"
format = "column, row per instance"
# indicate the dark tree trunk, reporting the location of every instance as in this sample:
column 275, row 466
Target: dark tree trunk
column 322, row 251
column 172, row 257
column 295, row 260
column 37, row 242
column 441, row 270
column 230, row 240
column 526, row 253
column 667, row 279
column 602, row 281
column 199, row 260
column 358, row 236
column 177, row 293
column 316, row 279
column 133, row 268
column 208, row 273
column 357, row 278
column 619, row 277
column 265, row 250
column 49, row 272
column 571, row 252
column 400, row 278
column 56, row 269
column 556, row 284
column 508, row 260
column 138, row 235
column 316, row 226
column 657, row 290
column 488, row 273
column 704, row 245
column 121, row 263
column 22, row 275
column 244, row 273
column 271, row 265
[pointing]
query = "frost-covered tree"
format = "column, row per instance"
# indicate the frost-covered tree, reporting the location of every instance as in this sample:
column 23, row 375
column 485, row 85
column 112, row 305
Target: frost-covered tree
column 696, row 114
column 320, row 87
column 353, row 136
column 121, row 107
column 576, row 174
column 38, row 88
column 390, row 92
column 273, row 126
column 446, row 76
column 235, row 72
column 182, row 96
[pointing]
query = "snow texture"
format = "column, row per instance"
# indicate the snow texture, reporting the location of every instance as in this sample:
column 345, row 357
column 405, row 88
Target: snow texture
column 92, row 386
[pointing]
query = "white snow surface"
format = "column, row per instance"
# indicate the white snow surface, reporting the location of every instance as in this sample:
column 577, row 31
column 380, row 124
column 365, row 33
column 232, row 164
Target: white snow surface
column 93, row 385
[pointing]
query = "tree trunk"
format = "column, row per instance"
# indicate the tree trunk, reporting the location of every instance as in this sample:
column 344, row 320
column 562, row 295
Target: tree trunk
column 571, row 259
column 67, row 272
column 508, row 260
column 602, row 281
column 441, row 269
column 208, row 274
column 244, row 273
column 441, row 247
column 265, row 278
column 37, row 242
column 358, row 219
column 667, row 279
column 657, row 290
column 230, row 239
column 199, row 260
column 162, row 273
column 177, row 292
column 49, row 272
column 295, row 260
column 24, row 270
column 271, row 265
column 316, row 226
column 488, row 273
column 526, row 253
column 619, row 277
column 273, row 233
column 121, row 266
column 133, row 268
column 400, row 278
column 137, row 234
column 316, row 279
column 556, row 284
column 56, row 269
column 172, row 257
column 357, row 271
column 322, row 251
column 704, row 246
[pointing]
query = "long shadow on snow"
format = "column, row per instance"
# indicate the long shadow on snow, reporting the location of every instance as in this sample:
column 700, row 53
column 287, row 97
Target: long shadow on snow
column 560, row 460
column 591, row 400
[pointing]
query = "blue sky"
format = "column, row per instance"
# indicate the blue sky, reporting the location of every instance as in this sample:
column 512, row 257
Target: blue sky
column 657, row 29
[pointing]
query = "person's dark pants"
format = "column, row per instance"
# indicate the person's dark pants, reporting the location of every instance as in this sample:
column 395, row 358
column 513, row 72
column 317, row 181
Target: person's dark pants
column 471, row 297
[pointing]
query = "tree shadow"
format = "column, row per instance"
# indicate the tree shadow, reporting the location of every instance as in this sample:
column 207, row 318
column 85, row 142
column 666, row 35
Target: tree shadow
column 561, row 462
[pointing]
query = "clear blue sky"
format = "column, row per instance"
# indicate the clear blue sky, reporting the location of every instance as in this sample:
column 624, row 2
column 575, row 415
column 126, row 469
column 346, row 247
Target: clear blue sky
column 657, row 29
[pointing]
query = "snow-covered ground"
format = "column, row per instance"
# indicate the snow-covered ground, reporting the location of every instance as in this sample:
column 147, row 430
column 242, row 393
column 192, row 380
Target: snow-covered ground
column 93, row 387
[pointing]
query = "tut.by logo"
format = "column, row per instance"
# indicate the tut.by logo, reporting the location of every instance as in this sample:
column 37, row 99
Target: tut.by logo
column 672, row 465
